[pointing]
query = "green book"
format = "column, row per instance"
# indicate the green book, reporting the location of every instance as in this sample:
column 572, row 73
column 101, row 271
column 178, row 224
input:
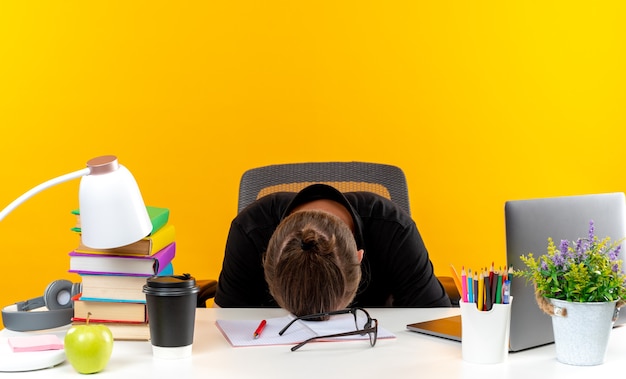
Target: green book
column 158, row 216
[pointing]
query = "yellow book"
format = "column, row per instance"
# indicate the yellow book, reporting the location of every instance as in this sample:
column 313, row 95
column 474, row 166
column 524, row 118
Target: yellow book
column 147, row 246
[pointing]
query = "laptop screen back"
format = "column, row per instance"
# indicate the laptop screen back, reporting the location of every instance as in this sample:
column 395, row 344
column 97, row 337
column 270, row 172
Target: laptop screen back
column 528, row 225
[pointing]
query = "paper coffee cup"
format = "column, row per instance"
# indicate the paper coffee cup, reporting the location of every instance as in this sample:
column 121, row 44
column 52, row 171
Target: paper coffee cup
column 171, row 302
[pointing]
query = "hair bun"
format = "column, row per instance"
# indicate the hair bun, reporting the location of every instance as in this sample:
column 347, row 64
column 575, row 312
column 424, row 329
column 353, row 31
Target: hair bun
column 307, row 245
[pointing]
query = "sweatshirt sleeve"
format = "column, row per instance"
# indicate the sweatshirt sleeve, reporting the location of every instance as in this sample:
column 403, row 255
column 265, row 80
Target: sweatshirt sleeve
column 414, row 283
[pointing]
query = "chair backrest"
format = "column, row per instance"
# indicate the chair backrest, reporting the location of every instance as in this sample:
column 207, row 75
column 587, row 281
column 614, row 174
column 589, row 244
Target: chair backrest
column 386, row 180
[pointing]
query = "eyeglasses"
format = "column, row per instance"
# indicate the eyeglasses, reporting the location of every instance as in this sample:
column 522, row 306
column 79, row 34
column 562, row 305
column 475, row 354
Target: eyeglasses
column 370, row 327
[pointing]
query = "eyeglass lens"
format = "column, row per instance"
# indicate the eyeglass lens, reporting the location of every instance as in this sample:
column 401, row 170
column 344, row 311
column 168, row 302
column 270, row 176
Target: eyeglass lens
column 367, row 327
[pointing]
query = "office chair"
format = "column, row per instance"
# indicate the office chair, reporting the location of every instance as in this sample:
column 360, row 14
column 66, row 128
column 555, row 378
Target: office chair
column 386, row 180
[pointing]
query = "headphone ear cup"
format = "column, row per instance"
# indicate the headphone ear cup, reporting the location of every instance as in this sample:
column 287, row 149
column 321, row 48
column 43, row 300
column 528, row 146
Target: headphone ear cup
column 58, row 295
column 76, row 289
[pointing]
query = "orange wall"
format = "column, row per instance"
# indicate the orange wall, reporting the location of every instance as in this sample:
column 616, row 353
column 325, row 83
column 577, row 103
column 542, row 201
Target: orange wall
column 479, row 103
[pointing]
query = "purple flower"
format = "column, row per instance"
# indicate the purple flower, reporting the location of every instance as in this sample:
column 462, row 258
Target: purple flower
column 614, row 254
column 563, row 247
column 579, row 246
column 591, row 233
column 583, row 246
column 558, row 260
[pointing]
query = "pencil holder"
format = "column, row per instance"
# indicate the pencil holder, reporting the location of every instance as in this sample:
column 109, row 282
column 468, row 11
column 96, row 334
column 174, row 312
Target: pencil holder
column 485, row 334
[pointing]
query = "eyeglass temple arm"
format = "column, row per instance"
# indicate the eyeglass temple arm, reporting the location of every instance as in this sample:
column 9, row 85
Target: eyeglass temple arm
column 359, row 332
column 283, row 330
column 316, row 315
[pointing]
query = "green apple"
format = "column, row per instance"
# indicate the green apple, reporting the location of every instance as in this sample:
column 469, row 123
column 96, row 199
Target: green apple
column 88, row 347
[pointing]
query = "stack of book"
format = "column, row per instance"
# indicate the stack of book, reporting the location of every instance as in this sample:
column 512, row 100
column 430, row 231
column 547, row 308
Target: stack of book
column 113, row 279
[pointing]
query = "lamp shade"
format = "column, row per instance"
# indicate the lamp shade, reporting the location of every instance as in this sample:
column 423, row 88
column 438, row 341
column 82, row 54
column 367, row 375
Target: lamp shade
column 112, row 211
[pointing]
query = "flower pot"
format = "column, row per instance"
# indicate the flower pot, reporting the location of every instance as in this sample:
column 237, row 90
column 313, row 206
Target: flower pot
column 581, row 331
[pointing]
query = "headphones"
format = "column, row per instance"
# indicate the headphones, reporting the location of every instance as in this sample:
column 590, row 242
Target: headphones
column 57, row 298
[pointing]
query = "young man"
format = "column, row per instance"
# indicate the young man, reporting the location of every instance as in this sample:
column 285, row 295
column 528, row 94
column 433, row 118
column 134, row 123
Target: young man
column 395, row 269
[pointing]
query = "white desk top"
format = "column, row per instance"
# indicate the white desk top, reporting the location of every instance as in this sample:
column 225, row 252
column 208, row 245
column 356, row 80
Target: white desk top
column 410, row 355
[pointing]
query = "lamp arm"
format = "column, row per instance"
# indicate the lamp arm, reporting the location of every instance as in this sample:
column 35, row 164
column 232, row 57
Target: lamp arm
column 41, row 187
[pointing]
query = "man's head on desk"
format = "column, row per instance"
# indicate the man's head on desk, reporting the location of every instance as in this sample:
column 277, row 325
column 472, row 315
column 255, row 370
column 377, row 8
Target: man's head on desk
column 312, row 264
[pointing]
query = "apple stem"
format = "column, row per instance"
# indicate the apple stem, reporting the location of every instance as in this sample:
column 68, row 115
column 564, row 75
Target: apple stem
column 88, row 314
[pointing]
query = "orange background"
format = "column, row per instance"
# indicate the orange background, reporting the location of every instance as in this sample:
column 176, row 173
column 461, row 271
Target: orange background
column 479, row 103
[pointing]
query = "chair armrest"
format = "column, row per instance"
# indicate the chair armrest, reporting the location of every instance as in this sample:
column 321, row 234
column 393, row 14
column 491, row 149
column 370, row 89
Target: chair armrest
column 207, row 291
column 451, row 290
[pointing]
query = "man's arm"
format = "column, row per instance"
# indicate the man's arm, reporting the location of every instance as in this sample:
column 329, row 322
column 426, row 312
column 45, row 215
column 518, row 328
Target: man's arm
column 241, row 282
column 414, row 282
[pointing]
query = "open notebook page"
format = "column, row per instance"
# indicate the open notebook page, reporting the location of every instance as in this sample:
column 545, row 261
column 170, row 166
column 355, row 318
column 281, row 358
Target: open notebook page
column 241, row 332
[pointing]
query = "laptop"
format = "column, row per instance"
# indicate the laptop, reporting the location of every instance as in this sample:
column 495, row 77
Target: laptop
column 447, row 327
column 528, row 224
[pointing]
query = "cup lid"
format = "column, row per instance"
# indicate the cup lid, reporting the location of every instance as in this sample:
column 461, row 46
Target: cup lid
column 168, row 283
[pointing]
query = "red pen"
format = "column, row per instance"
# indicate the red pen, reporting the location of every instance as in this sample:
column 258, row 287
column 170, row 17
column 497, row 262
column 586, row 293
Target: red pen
column 259, row 329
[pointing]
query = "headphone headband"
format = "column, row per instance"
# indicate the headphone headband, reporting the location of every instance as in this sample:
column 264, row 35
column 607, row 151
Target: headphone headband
column 23, row 316
column 21, row 321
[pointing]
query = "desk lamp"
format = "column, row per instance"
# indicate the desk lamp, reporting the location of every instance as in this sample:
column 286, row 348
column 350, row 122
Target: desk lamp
column 112, row 211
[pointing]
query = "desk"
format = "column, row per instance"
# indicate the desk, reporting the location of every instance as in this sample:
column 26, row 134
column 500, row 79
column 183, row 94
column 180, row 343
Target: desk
column 410, row 355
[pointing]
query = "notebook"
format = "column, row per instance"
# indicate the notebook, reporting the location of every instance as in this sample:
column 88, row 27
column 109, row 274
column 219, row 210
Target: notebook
column 528, row 224
column 240, row 332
